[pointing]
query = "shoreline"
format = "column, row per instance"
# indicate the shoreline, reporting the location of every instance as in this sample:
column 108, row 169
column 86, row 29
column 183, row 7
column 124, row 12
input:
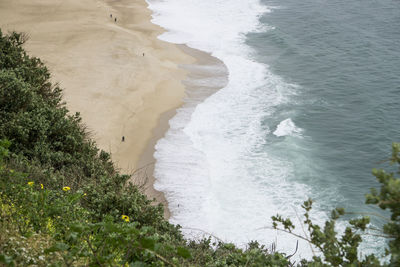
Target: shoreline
column 146, row 164
column 202, row 68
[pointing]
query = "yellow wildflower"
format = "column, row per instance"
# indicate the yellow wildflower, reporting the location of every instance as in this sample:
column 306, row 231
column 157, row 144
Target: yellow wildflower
column 41, row 186
column 66, row 188
column 31, row 183
column 125, row 218
column 84, row 194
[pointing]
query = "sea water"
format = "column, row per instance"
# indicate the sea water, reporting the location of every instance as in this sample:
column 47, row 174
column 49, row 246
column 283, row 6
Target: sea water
column 310, row 107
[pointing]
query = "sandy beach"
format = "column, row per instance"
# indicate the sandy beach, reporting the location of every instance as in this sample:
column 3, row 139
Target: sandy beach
column 113, row 69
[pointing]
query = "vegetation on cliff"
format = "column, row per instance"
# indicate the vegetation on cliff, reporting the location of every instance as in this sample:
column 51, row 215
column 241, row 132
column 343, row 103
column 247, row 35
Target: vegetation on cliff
column 63, row 203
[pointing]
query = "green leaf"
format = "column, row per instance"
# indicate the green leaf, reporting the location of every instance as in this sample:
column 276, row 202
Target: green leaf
column 137, row 264
column 147, row 243
column 183, row 252
column 77, row 227
column 111, row 227
column 57, row 247
column 6, row 260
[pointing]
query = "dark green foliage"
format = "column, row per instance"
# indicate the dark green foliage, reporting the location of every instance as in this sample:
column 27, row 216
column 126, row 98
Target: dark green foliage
column 228, row 255
column 29, row 70
column 389, row 198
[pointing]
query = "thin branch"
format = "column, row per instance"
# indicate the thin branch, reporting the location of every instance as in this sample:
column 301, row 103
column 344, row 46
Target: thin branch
column 297, row 246
column 286, row 231
column 94, row 251
column 207, row 233
column 140, row 178
column 378, row 235
column 304, row 231
column 369, row 213
column 374, row 229
column 247, row 263
column 160, row 257
column 141, row 168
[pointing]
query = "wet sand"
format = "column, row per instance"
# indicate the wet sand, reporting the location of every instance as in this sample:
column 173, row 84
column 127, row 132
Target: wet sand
column 201, row 69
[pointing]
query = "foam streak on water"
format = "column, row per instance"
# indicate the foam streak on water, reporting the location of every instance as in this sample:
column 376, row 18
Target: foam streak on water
column 287, row 127
column 212, row 164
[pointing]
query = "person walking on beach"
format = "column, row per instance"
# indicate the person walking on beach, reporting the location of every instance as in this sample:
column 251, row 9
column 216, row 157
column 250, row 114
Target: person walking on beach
column 110, row 15
column 123, row 138
column 115, row 19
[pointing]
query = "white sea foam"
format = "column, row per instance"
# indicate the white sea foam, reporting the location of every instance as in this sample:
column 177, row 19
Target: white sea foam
column 287, row 127
column 214, row 164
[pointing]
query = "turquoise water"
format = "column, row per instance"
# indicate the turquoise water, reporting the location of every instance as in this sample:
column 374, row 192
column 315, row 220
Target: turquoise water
column 345, row 56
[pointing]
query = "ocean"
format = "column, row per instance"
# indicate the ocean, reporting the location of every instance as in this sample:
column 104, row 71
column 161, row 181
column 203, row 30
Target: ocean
column 310, row 107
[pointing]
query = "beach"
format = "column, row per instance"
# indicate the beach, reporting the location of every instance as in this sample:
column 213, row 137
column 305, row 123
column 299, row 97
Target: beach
column 198, row 86
column 112, row 68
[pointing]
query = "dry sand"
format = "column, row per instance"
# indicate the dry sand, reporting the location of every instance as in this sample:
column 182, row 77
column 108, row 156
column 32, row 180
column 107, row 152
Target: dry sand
column 100, row 64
